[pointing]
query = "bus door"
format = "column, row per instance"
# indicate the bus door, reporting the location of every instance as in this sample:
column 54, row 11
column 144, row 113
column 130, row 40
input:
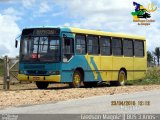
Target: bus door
column 67, row 47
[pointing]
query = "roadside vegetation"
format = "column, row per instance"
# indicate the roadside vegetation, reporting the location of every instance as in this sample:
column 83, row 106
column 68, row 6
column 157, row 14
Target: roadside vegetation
column 152, row 77
column 153, row 72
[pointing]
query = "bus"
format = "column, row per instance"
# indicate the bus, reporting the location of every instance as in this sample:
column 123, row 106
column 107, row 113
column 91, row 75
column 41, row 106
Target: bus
column 80, row 56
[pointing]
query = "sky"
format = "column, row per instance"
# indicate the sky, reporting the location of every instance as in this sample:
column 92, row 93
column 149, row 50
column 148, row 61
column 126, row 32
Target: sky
column 106, row 15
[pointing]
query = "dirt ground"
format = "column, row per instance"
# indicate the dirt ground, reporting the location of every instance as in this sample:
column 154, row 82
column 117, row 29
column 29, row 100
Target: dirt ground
column 25, row 94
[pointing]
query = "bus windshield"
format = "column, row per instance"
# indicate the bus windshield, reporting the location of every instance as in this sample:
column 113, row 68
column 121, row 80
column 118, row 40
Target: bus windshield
column 41, row 48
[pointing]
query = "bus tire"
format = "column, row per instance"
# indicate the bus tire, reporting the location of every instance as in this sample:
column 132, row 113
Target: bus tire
column 42, row 85
column 121, row 79
column 90, row 84
column 76, row 80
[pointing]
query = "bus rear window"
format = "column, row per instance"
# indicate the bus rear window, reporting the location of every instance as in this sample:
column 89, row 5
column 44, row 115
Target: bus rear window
column 139, row 48
column 128, row 47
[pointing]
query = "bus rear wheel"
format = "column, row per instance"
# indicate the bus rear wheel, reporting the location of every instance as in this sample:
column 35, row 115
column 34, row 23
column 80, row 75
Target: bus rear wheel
column 42, row 85
column 76, row 81
column 121, row 79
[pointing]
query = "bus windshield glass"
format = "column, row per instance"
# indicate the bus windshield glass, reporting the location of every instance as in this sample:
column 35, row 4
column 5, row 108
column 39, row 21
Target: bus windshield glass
column 41, row 48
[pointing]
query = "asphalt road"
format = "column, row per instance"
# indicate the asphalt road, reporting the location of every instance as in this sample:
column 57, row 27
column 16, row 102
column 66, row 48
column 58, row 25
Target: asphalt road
column 145, row 102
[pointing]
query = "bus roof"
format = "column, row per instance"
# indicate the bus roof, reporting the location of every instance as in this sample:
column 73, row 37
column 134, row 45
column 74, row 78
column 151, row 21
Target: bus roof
column 103, row 33
column 93, row 32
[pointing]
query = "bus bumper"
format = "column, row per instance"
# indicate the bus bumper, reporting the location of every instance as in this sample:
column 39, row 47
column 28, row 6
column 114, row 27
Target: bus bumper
column 50, row 78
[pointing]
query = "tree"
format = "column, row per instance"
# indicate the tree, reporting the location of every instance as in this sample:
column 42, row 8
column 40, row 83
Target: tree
column 157, row 54
column 149, row 58
column 1, row 60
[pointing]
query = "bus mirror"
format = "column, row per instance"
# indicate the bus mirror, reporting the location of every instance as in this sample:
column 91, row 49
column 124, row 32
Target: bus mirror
column 16, row 43
column 64, row 35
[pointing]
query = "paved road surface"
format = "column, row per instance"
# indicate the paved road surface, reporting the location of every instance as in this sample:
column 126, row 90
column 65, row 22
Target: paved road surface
column 97, row 104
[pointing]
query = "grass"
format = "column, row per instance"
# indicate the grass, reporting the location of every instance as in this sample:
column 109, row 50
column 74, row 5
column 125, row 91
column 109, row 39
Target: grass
column 152, row 77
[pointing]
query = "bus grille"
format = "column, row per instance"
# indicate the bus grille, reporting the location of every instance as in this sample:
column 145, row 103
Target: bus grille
column 34, row 67
column 36, row 72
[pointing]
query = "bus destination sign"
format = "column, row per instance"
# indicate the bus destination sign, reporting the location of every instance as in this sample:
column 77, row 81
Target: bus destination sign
column 46, row 32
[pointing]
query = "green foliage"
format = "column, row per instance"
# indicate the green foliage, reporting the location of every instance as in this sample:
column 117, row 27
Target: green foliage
column 157, row 54
column 149, row 56
column 1, row 61
column 150, row 59
column 1, row 69
column 152, row 77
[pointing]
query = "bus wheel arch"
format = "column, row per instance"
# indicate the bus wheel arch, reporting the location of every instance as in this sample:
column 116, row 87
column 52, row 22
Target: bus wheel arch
column 77, row 79
column 121, row 78
column 123, row 69
column 42, row 85
column 81, row 71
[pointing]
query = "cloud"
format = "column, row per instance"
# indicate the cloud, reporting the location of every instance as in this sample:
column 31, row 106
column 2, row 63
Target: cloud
column 8, row 32
column 114, row 16
column 44, row 7
column 28, row 3
column 3, row 50
column 57, row 14
column 5, row 0
column 12, row 12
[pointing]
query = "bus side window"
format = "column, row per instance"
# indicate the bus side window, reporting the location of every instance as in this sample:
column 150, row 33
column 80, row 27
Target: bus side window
column 105, row 46
column 67, row 48
column 117, row 46
column 80, row 44
column 92, row 45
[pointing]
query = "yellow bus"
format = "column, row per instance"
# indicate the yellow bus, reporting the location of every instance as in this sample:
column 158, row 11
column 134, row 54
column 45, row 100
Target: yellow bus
column 73, row 55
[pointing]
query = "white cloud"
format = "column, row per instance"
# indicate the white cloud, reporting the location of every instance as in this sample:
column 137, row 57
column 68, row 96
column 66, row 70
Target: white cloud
column 28, row 3
column 57, row 14
column 12, row 12
column 8, row 32
column 112, row 16
column 44, row 7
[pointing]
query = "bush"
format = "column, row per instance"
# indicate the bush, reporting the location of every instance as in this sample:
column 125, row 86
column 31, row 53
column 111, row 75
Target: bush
column 152, row 77
column 1, row 60
column 1, row 69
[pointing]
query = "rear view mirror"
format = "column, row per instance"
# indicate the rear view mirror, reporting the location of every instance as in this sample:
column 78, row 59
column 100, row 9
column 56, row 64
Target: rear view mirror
column 16, row 43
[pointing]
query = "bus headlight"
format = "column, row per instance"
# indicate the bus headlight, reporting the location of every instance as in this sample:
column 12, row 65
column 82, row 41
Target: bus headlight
column 23, row 72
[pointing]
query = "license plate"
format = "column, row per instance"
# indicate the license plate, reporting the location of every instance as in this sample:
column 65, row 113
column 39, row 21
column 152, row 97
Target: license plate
column 36, row 78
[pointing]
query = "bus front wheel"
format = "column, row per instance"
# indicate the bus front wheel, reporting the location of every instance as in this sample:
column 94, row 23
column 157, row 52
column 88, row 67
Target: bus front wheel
column 121, row 79
column 42, row 85
column 76, row 81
